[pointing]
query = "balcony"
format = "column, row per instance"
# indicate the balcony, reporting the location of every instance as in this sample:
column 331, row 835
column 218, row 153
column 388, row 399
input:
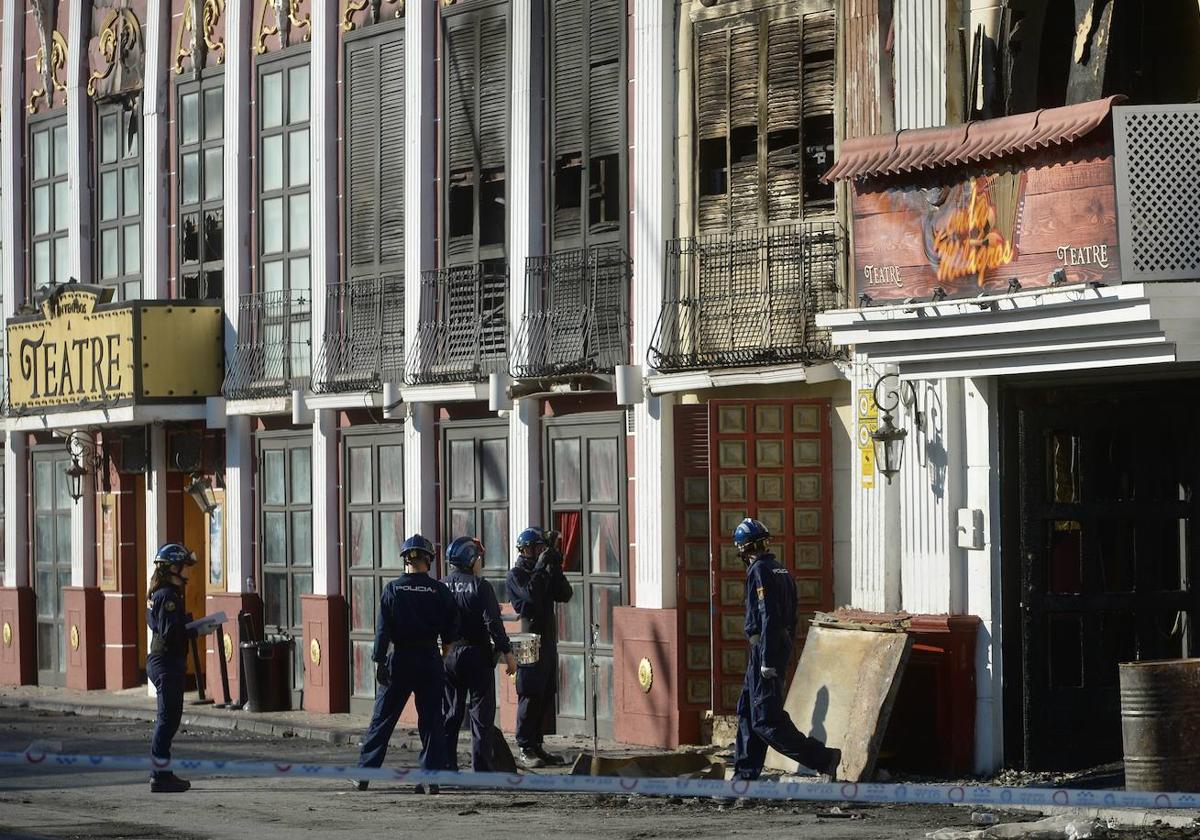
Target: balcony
column 364, row 336
column 581, row 325
column 750, row 298
column 274, row 349
column 463, row 332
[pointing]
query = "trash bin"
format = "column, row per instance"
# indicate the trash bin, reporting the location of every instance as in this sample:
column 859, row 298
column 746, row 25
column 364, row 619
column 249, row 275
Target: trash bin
column 1160, row 724
column 268, row 666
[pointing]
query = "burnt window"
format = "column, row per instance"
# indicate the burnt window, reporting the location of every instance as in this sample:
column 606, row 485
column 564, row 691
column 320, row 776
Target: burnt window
column 587, row 121
column 49, row 203
column 476, row 131
column 764, row 94
column 200, row 164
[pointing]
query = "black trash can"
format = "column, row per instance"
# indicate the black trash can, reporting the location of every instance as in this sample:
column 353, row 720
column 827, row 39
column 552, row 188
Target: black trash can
column 268, row 666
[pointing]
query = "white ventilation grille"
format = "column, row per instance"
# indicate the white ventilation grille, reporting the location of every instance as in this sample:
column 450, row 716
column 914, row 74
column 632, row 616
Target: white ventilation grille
column 1158, row 191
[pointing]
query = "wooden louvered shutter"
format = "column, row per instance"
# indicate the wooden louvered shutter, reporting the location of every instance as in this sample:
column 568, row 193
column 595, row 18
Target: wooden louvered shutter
column 744, row 68
column 818, row 73
column 493, row 92
column 461, row 73
column 712, row 123
column 391, row 150
column 694, row 562
column 782, row 177
column 569, row 101
column 605, row 101
column 362, row 130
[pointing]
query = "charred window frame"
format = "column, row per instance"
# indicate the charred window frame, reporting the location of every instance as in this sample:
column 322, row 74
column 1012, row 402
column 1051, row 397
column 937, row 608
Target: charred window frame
column 764, row 83
column 119, row 197
column 476, row 95
column 49, row 203
column 200, row 164
column 374, row 159
column 586, row 69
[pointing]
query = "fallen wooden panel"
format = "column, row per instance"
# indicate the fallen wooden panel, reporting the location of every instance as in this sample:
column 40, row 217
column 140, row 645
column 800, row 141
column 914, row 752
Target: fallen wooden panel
column 842, row 694
column 659, row 765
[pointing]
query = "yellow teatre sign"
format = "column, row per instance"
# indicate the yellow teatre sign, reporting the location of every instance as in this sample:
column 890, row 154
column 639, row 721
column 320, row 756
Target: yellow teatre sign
column 71, row 355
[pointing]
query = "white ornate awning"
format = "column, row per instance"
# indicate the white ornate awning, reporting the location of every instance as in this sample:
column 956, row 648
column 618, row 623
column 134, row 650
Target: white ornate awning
column 1079, row 327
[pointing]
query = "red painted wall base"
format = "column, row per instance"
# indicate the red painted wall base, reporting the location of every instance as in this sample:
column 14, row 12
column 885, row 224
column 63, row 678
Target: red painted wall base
column 327, row 643
column 84, row 610
column 18, row 651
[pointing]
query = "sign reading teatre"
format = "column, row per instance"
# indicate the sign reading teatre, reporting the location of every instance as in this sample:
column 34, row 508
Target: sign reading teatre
column 72, row 355
column 967, row 231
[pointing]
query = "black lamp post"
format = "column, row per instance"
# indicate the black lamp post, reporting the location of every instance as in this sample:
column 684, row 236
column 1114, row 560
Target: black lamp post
column 888, row 438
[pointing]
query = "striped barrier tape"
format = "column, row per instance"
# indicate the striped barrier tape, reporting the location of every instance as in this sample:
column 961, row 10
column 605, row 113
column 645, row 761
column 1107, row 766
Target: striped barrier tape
column 814, row 791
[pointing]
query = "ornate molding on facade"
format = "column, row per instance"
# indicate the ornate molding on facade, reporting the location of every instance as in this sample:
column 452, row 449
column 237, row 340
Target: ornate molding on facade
column 51, row 55
column 287, row 15
column 196, row 42
column 121, row 47
column 375, row 7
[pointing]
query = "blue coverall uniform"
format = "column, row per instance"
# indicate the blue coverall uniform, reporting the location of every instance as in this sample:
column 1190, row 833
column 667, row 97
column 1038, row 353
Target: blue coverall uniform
column 470, row 667
column 533, row 589
column 414, row 612
column 762, row 720
column 166, row 665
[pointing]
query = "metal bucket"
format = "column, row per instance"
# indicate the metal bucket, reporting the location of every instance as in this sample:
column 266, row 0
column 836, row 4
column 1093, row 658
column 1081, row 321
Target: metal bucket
column 1160, row 724
column 527, row 647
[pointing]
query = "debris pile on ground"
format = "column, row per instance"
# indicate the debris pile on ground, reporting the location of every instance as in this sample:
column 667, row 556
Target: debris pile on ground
column 1059, row 827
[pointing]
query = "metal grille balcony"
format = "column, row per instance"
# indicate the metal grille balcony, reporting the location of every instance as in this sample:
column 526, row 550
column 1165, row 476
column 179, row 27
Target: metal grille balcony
column 582, row 323
column 274, row 349
column 749, row 298
column 463, row 332
column 364, row 336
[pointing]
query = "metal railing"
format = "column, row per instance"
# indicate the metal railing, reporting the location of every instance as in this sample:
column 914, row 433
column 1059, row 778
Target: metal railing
column 750, row 297
column 463, row 332
column 273, row 354
column 364, row 336
column 581, row 321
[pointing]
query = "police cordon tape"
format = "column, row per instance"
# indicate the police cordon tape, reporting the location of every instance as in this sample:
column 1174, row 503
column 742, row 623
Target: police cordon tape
column 616, row 785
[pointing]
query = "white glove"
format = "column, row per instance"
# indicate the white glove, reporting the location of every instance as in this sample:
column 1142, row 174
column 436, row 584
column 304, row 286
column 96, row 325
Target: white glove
column 754, row 639
column 768, row 673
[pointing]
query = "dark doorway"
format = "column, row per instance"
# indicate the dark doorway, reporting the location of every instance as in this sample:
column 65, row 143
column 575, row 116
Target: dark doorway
column 1104, row 504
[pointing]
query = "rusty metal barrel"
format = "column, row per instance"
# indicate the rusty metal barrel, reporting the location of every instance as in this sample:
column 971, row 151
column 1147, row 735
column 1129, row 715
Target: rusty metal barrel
column 1160, row 724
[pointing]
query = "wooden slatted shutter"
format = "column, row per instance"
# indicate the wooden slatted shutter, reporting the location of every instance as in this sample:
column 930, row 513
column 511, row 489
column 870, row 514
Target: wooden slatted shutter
column 744, row 99
column 819, row 70
column 782, row 106
column 391, row 150
column 694, row 561
column 605, row 107
column 712, row 128
column 493, row 92
column 569, row 98
column 461, row 80
column 362, row 132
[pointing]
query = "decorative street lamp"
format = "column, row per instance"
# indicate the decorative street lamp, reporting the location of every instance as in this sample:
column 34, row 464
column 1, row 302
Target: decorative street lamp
column 86, row 459
column 889, row 438
column 201, row 491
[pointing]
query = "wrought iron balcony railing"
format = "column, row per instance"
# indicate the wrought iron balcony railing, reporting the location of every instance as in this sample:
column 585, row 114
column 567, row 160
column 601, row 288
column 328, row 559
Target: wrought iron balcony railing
column 749, row 298
column 274, row 347
column 364, row 336
column 581, row 324
column 463, row 332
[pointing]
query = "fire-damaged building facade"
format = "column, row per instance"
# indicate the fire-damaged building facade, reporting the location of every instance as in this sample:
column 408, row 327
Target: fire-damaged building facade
column 291, row 280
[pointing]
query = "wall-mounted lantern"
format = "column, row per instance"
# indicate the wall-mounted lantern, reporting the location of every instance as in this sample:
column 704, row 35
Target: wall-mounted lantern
column 87, row 458
column 201, row 491
column 888, row 438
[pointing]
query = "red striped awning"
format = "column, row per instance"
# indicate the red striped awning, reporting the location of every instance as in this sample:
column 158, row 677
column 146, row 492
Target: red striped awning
column 929, row 148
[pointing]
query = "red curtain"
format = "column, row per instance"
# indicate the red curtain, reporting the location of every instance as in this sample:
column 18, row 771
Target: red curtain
column 567, row 523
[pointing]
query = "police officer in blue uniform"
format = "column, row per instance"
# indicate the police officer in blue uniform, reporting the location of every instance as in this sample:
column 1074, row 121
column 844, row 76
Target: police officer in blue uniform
column 471, row 664
column 771, row 629
column 415, row 611
column 166, row 663
column 535, row 584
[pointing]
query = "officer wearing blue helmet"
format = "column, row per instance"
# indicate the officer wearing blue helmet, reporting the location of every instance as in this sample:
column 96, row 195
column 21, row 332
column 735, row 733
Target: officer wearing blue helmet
column 166, row 663
column 471, row 665
column 415, row 611
column 771, row 629
column 535, row 584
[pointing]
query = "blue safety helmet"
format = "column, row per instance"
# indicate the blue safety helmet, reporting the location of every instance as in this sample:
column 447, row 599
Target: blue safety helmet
column 416, row 544
column 531, row 536
column 463, row 551
column 174, row 554
column 749, row 533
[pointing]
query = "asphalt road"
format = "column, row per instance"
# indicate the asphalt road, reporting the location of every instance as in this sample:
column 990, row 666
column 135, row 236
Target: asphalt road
column 44, row 803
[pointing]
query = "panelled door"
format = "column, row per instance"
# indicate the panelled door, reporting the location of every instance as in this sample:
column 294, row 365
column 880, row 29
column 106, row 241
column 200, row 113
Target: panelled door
column 51, row 560
column 475, row 493
column 586, row 478
column 373, row 489
column 285, row 540
column 771, row 460
column 1107, row 495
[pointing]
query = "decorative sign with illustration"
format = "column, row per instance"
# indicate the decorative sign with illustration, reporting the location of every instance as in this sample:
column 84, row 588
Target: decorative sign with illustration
column 110, row 542
column 965, row 232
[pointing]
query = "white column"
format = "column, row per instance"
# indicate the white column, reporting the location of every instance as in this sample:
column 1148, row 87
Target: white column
column 525, row 223
column 983, row 589
column 79, row 150
column 156, row 153
column 322, row 126
column 326, row 577
column 239, row 457
column 156, row 496
column 420, row 498
column 12, row 273
column 83, row 536
column 420, row 115
column 653, row 203
column 875, row 517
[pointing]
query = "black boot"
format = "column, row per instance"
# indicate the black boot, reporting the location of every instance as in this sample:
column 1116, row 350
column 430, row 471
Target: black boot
column 168, row 783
